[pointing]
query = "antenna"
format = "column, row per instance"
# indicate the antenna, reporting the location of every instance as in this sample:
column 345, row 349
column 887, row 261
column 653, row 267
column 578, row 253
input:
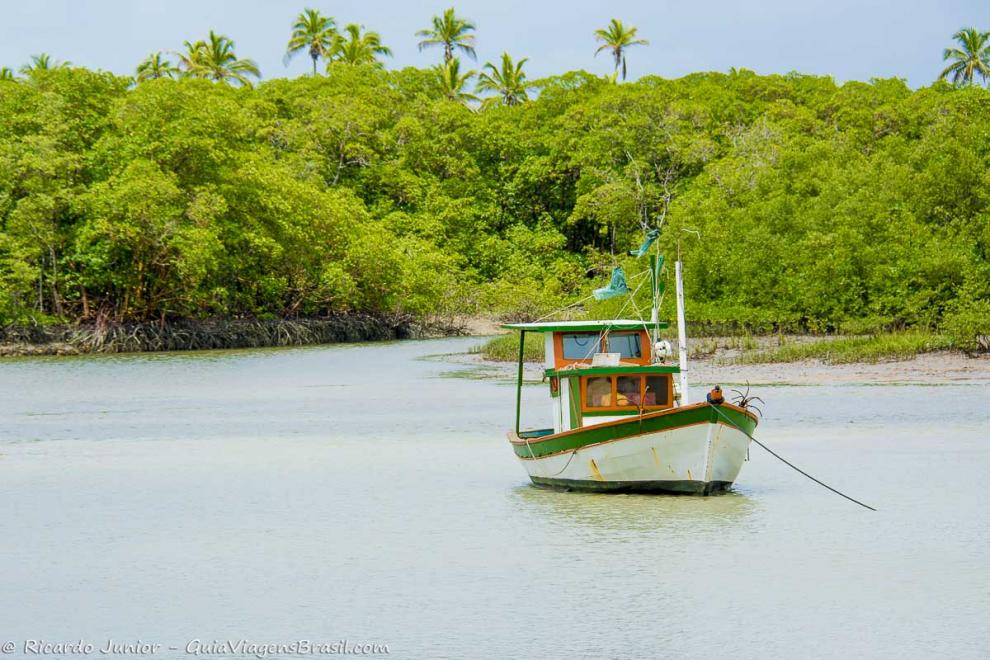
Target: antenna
column 682, row 354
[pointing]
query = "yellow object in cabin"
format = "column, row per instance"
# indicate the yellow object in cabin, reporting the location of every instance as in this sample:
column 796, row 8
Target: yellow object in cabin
column 599, row 392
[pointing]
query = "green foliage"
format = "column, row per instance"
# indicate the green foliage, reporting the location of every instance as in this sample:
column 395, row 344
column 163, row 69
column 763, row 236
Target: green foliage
column 359, row 48
column 877, row 348
column 617, row 38
column 507, row 81
column 451, row 32
column 43, row 62
column 314, row 33
column 970, row 59
column 214, row 59
column 858, row 208
column 505, row 348
column 967, row 323
column 452, row 83
column 156, row 66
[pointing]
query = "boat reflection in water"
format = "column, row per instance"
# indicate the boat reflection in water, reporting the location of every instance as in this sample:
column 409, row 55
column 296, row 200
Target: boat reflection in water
column 636, row 514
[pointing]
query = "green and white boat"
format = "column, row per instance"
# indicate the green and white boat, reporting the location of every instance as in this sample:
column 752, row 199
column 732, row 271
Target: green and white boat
column 620, row 423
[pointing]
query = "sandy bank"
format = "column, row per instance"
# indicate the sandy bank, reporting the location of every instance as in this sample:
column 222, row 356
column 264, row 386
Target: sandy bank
column 931, row 368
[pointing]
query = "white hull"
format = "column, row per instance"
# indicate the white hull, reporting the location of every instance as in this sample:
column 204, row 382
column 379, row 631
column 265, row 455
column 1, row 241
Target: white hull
column 700, row 458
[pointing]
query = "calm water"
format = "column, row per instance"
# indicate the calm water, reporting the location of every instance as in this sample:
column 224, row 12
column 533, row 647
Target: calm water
column 367, row 493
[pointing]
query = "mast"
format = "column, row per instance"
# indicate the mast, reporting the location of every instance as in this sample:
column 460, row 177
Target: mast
column 519, row 379
column 655, row 313
column 681, row 329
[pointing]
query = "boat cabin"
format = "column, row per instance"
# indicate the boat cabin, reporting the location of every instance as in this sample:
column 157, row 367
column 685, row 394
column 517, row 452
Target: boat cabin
column 601, row 371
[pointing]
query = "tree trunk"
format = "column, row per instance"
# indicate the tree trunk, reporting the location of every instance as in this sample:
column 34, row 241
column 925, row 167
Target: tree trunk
column 56, row 300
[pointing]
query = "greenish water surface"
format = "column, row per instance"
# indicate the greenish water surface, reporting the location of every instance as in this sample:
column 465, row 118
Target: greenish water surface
column 361, row 492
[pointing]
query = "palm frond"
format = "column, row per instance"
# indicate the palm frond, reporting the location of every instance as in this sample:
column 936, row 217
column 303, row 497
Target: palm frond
column 508, row 81
column 358, row 48
column 617, row 38
column 970, row 58
column 216, row 60
column 312, row 32
column 451, row 32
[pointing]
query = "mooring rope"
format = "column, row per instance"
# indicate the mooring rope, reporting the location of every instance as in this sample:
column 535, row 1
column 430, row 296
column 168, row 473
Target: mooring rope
column 786, row 462
column 557, row 474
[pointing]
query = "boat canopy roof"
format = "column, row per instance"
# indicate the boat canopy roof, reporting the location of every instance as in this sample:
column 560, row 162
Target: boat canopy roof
column 633, row 369
column 584, row 326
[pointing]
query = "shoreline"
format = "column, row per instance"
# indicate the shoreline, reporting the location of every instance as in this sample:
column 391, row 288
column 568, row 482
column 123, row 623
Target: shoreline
column 210, row 334
column 713, row 365
column 220, row 334
column 938, row 368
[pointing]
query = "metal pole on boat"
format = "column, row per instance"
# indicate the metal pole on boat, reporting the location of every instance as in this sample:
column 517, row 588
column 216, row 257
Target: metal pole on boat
column 519, row 381
column 681, row 328
column 655, row 313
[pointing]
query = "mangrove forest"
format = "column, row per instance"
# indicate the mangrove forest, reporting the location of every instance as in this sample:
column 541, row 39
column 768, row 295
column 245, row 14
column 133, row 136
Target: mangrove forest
column 195, row 190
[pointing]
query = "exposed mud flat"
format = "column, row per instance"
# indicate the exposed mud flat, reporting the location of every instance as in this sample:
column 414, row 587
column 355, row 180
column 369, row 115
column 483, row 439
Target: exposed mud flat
column 929, row 368
column 933, row 368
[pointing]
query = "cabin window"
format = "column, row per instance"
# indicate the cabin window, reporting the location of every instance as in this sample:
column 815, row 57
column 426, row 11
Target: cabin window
column 574, row 347
column 598, row 392
column 580, row 347
column 627, row 390
column 626, row 344
column 657, row 391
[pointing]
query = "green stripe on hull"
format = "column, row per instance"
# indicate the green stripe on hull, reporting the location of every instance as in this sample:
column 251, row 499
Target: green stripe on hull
column 636, row 426
column 683, row 487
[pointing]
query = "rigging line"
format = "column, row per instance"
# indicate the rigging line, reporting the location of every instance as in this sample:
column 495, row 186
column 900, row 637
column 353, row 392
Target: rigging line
column 640, row 314
column 618, row 315
column 588, row 297
column 786, row 462
column 567, row 306
column 631, row 299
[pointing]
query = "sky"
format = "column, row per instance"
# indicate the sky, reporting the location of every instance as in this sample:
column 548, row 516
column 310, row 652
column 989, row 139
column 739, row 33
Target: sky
column 847, row 39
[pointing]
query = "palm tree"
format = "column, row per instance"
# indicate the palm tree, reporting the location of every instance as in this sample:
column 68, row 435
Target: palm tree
column 43, row 62
column 359, row 48
column 314, row 32
column 189, row 61
column 450, row 32
column 6, row 73
column 155, row 66
column 617, row 38
column 452, row 82
column 215, row 60
column 973, row 57
column 509, row 82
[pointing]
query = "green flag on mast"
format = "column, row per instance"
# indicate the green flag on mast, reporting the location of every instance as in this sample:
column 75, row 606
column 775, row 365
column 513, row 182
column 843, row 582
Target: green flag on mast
column 616, row 287
column 647, row 242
